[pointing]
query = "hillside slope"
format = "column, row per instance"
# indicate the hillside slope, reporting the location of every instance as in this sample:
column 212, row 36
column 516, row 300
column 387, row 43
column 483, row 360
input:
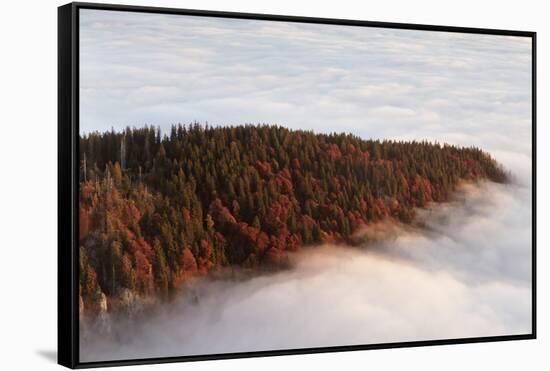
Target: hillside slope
column 157, row 210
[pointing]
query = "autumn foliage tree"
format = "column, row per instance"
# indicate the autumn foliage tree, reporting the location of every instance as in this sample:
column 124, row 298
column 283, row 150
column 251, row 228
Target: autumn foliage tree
column 203, row 198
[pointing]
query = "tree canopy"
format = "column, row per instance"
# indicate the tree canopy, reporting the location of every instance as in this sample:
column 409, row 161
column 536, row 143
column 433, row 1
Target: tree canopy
column 155, row 210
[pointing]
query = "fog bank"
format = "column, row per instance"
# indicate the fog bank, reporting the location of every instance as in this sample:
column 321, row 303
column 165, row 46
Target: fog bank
column 464, row 273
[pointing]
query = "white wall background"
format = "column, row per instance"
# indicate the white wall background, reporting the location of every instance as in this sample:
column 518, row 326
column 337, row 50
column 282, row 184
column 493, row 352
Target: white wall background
column 28, row 181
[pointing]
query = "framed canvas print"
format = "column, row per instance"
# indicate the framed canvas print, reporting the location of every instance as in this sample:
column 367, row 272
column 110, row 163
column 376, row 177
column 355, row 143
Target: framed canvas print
column 236, row 185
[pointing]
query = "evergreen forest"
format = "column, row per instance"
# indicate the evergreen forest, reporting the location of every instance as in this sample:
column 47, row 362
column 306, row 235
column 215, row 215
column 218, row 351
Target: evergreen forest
column 157, row 209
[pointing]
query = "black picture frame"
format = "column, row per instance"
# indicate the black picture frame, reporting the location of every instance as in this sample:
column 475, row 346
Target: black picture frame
column 68, row 129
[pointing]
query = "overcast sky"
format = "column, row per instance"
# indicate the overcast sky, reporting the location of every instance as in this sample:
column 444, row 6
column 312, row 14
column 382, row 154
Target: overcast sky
column 465, row 89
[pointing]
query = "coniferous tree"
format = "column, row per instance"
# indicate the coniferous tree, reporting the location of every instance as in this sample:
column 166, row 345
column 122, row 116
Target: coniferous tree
column 156, row 210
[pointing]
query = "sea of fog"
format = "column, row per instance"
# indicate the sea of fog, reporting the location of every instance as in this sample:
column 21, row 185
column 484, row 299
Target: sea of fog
column 463, row 270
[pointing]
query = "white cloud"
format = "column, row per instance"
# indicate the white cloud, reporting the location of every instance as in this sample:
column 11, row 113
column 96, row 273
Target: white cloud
column 469, row 276
column 466, row 274
column 165, row 69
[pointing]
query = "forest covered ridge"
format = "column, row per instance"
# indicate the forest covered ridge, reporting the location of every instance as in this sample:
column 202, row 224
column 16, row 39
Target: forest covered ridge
column 156, row 210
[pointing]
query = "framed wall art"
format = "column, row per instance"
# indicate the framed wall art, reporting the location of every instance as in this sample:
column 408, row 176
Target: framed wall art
column 237, row 185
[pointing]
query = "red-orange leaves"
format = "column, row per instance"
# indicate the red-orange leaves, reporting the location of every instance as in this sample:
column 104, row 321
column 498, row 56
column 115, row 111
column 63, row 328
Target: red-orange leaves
column 205, row 257
column 333, row 151
column 144, row 273
column 264, row 168
column 187, row 261
column 274, row 256
column 83, row 223
column 220, row 213
column 243, row 196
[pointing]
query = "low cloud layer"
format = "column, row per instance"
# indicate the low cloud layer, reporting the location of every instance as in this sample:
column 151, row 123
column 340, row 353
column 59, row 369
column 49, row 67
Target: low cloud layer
column 465, row 273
